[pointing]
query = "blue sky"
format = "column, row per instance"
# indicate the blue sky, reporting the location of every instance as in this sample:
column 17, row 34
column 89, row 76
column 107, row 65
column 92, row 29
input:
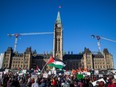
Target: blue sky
column 80, row 19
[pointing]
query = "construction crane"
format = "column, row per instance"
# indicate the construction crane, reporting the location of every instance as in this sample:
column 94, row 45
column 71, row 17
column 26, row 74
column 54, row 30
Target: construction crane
column 98, row 39
column 25, row 34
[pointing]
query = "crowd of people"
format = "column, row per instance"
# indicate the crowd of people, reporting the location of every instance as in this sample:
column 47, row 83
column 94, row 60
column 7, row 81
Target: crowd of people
column 11, row 79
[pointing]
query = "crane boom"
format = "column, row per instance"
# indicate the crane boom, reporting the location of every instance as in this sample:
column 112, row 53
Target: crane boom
column 108, row 39
column 25, row 34
column 100, row 37
column 35, row 33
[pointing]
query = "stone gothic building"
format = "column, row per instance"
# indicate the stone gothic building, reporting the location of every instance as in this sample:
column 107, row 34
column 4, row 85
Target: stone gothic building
column 86, row 59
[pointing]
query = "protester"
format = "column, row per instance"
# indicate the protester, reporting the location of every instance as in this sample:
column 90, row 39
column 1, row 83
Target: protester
column 101, row 84
column 11, row 79
column 97, row 84
column 53, row 82
column 42, row 84
column 9, row 82
column 113, row 83
column 35, row 84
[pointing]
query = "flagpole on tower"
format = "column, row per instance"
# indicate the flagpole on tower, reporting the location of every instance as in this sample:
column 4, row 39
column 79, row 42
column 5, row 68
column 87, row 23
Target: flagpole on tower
column 59, row 6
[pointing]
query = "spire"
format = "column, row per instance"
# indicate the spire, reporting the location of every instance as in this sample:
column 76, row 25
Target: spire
column 58, row 20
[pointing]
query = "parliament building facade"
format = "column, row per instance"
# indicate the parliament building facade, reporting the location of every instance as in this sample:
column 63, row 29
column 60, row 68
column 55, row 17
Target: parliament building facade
column 30, row 59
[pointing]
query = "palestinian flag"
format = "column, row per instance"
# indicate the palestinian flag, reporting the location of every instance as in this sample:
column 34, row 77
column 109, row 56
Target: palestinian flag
column 51, row 60
column 56, row 64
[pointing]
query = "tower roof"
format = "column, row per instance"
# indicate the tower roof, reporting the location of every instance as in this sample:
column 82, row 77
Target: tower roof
column 58, row 20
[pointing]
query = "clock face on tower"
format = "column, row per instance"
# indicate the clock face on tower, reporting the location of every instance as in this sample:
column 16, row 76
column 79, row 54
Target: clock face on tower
column 58, row 25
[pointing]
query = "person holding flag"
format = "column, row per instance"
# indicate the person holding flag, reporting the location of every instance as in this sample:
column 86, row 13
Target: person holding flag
column 56, row 64
column 53, row 63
